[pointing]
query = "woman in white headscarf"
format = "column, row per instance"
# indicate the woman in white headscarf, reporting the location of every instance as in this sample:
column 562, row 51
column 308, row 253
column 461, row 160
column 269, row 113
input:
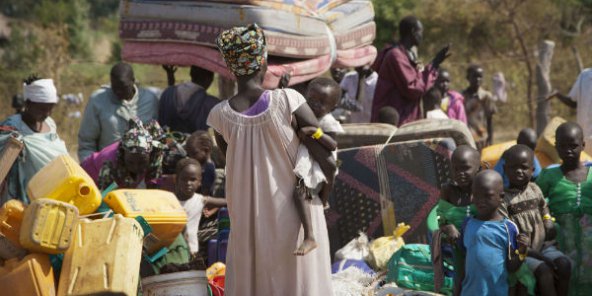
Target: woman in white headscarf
column 37, row 130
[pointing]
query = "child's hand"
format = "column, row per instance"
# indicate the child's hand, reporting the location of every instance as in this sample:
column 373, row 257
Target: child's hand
column 523, row 242
column 550, row 231
column 451, row 232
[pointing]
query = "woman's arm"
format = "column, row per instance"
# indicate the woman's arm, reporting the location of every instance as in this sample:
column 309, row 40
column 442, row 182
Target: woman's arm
column 221, row 143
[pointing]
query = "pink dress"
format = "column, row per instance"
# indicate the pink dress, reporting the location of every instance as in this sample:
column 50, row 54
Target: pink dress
column 265, row 226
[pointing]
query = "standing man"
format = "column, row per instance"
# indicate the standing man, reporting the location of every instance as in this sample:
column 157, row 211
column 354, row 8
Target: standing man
column 185, row 107
column 402, row 80
column 480, row 107
column 109, row 110
column 358, row 87
column 580, row 97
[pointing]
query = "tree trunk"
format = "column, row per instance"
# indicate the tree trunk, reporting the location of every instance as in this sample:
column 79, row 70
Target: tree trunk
column 543, row 69
column 579, row 62
column 226, row 88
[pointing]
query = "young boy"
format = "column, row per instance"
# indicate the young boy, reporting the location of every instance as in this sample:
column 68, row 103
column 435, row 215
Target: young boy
column 492, row 244
column 528, row 137
column 525, row 205
column 199, row 147
column 315, row 178
column 480, row 107
column 455, row 203
column 432, row 100
column 188, row 180
column 453, row 103
column 388, row 115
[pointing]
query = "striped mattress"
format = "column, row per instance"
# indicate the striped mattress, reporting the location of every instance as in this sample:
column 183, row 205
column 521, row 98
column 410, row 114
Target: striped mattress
column 210, row 59
column 278, row 44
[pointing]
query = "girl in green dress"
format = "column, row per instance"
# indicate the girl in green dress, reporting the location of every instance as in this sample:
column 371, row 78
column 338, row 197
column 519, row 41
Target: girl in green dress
column 569, row 190
column 455, row 203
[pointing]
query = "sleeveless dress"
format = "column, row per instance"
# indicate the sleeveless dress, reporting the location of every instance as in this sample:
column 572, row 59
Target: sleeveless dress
column 266, row 229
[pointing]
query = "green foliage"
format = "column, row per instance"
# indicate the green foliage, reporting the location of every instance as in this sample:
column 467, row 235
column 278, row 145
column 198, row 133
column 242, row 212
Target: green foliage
column 388, row 14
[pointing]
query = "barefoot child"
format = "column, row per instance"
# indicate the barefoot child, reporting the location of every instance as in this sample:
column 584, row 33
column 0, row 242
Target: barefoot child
column 315, row 178
column 188, row 180
column 455, row 204
column 525, row 205
column 492, row 244
column 569, row 191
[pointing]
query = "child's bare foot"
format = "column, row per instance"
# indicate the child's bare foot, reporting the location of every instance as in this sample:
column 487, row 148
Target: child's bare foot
column 307, row 245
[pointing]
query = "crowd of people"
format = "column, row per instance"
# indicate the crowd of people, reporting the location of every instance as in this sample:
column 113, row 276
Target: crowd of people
column 270, row 157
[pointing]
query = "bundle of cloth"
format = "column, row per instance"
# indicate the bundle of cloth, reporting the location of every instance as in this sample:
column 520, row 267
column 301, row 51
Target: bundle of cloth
column 304, row 38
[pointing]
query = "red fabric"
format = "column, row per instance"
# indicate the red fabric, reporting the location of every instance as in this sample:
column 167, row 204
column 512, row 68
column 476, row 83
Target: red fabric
column 217, row 285
column 401, row 85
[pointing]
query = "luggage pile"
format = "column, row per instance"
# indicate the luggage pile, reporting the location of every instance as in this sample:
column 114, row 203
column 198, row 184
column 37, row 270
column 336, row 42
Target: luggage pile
column 304, row 38
column 60, row 245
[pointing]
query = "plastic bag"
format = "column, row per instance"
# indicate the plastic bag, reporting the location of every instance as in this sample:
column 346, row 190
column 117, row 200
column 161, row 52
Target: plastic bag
column 356, row 249
column 383, row 248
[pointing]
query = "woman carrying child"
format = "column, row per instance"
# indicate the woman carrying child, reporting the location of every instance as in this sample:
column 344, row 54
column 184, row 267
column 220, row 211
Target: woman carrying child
column 255, row 132
column 569, row 190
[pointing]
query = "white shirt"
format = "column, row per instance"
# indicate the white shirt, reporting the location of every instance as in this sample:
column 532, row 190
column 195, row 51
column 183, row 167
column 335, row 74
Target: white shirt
column 436, row 114
column 581, row 93
column 350, row 85
column 193, row 207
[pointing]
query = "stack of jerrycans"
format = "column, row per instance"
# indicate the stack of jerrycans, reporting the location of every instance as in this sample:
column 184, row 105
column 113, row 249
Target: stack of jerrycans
column 159, row 208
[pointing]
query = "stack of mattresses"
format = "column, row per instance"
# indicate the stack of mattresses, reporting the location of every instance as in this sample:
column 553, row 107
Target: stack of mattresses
column 382, row 185
column 305, row 38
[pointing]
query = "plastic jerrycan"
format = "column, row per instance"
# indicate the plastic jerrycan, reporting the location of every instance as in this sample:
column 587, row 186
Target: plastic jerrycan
column 161, row 209
column 64, row 180
column 31, row 276
column 48, row 226
column 104, row 258
column 11, row 217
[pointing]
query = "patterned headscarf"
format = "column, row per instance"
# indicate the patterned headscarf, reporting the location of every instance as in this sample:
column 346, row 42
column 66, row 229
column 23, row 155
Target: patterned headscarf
column 243, row 48
column 140, row 139
column 137, row 139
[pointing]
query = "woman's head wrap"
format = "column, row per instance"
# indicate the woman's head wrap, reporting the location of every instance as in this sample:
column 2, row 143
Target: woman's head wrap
column 41, row 91
column 243, row 48
column 140, row 139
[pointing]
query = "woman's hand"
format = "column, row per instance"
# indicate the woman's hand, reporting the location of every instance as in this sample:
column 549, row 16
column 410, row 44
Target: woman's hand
column 523, row 242
column 550, row 231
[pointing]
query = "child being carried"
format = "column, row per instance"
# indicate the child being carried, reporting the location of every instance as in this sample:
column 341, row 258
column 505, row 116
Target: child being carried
column 316, row 178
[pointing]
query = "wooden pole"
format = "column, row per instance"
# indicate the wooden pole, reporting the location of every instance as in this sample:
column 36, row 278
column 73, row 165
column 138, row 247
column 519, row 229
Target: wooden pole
column 543, row 69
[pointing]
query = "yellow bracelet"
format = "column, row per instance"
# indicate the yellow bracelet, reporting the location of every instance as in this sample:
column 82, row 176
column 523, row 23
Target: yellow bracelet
column 522, row 257
column 318, row 134
column 548, row 217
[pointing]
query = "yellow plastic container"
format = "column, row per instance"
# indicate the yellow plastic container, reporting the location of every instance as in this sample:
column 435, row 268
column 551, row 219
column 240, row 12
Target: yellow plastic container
column 11, row 218
column 160, row 208
column 48, row 226
column 104, row 258
column 492, row 154
column 32, row 276
column 63, row 179
column 546, row 142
